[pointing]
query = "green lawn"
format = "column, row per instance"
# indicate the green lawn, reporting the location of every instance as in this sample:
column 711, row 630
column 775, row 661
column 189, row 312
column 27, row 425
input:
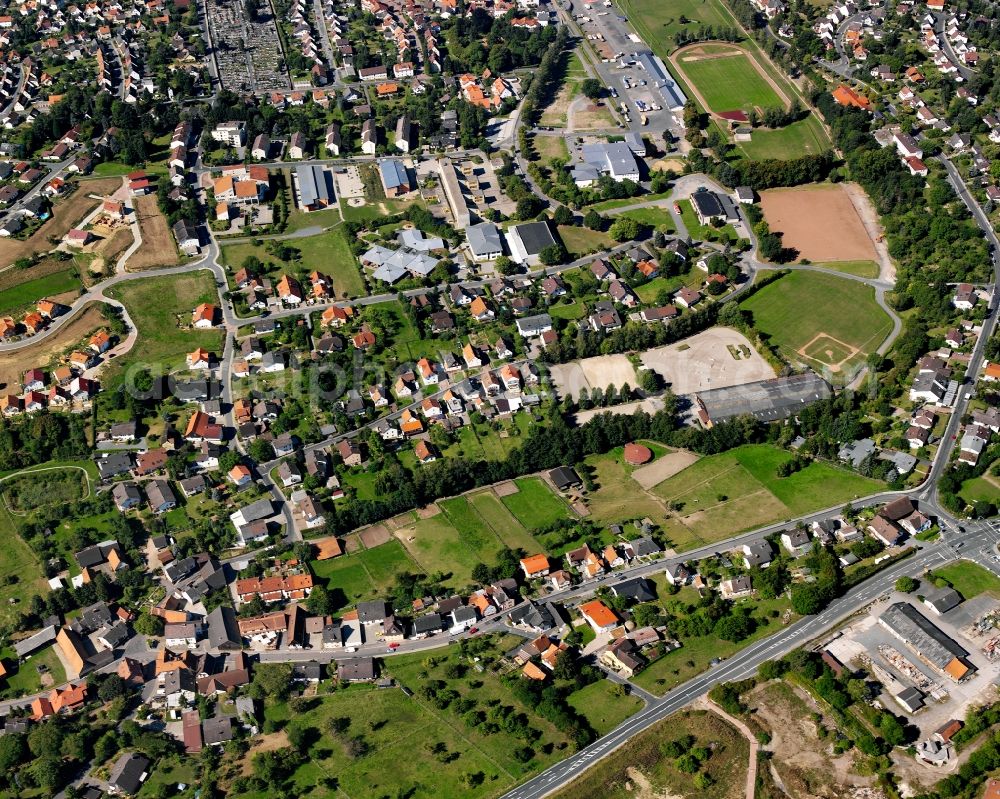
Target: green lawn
column 969, row 579
column 657, row 22
column 160, row 306
column 365, row 574
column 602, row 705
column 298, row 219
column 581, row 240
column 729, row 83
column 166, row 774
column 574, row 310
column 843, row 314
column 470, row 529
column 724, row 494
column 610, row 205
column 534, row 505
column 30, row 492
column 805, row 137
column 327, row 252
column 550, row 147
column 982, row 489
column 859, row 268
column 27, row 679
column 648, row 291
column 695, row 654
column 398, row 730
column 111, row 169
column 29, row 292
column 372, row 209
column 656, row 218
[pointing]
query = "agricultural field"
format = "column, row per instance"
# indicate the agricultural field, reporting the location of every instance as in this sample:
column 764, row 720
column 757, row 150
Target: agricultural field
column 158, row 245
column 17, row 299
column 820, row 222
column 843, row 326
column 161, row 309
column 725, row 494
column 470, row 529
column 364, row 574
column 726, row 78
column 638, row 769
column 534, row 505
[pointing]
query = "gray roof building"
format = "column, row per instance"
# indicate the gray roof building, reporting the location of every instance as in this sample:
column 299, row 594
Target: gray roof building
column 314, row 185
column 223, row 632
column 922, row 636
column 128, row 773
column 767, row 400
column 485, row 241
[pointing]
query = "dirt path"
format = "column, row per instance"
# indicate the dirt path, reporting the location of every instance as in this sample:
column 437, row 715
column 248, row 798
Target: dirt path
column 751, row 738
column 861, row 203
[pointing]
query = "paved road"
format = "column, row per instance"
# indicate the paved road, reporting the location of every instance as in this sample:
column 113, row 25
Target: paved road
column 940, row 19
column 738, row 667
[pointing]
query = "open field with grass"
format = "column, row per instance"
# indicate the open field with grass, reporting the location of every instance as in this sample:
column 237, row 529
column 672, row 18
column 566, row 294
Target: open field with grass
column 161, row 309
column 470, row 529
column 554, row 114
column 364, row 574
column 724, row 494
column 657, row 23
column 985, row 488
column 638, row 770
column 805, row 137
column 372, row 209
column 550, row 147
column 29, row 492
column 534, row 504
column 859, row 268
column 655, row 218
column 695, row 655
column 602, row 704
column 580, row 241
column 968, row 578
column 327, row 252
column 727, row 81
column 19, row 298
column 843, row 326
column 397, row 729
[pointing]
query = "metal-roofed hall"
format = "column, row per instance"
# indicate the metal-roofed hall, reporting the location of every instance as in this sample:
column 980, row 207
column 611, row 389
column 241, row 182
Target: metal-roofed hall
column 924, row 637
column 767, row 400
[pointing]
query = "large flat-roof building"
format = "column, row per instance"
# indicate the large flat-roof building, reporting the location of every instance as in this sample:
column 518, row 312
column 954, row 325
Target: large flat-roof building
column 614, row 159
column 453, row 193
column 929, row 643
column 661, row 78
column 767, row 400
column 527, row 240
column 315, row 187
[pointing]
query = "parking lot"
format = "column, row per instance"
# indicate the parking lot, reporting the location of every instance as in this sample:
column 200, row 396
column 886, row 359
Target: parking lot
column 616, row 43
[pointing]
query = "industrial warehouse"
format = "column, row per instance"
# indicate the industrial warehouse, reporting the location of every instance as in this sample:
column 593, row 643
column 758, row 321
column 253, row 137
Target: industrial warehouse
column 928, row 642
column 766, row 400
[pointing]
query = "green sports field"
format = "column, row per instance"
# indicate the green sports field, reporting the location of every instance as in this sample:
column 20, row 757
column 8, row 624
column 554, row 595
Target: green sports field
column 729, row 82
column 805, row 137
column 842, row 326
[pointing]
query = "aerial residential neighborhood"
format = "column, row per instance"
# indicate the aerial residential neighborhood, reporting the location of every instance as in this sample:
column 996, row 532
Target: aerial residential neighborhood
column 517, row 398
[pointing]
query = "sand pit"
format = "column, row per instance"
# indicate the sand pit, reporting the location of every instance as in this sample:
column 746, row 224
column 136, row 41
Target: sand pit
column 663, row 467
column 705, row 361
column 506, row 489
column 599, row 372
column 375, row 535
column 820, row 222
